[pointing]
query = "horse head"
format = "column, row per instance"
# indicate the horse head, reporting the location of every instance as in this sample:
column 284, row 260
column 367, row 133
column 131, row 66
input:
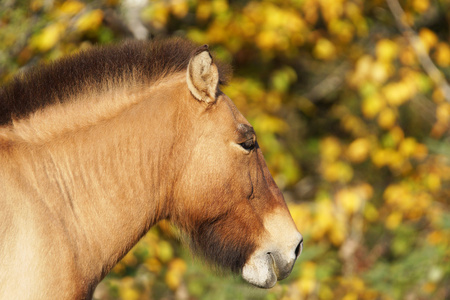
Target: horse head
column 225, row 198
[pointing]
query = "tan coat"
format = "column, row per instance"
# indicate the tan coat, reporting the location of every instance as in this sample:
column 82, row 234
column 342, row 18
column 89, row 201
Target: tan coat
column 83, row 180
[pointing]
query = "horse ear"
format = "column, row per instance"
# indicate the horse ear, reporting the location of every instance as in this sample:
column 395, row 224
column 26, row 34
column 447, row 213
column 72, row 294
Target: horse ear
column 203, row 76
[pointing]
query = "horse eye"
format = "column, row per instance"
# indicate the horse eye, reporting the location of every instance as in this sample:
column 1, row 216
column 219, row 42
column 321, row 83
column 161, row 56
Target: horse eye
column 248, row 144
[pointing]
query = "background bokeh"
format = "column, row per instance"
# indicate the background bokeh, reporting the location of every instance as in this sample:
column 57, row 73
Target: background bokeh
column 351, row 105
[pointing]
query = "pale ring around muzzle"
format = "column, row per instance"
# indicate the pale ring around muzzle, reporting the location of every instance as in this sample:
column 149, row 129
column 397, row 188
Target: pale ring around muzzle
column 265, row 268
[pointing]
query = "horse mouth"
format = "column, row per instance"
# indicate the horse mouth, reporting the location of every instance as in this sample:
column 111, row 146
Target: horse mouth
column 273, row 261
column 275, row 267
column 285, row 269
column 265, row 270
column 260, row 271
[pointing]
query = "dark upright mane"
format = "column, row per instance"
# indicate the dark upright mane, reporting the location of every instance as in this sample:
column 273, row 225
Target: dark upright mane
column 90, row 70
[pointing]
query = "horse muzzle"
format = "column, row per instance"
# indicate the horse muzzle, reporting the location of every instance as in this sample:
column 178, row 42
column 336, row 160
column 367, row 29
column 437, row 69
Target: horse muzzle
column 265, row 267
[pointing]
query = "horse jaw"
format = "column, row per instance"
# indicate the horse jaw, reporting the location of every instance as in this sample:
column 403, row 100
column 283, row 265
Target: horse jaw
column 274, row 259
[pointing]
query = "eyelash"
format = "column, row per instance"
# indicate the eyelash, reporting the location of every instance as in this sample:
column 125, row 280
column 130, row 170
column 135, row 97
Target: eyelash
column 248, row 144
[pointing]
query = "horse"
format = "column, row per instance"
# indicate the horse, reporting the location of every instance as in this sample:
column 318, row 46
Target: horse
column 99, row 146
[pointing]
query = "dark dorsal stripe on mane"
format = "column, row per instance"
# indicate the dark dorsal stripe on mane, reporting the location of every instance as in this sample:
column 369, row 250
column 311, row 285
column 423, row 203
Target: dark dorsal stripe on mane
column 90, row 70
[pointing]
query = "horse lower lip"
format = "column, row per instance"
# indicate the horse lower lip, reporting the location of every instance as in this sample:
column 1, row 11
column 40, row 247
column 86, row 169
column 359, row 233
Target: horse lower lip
column 261, row 270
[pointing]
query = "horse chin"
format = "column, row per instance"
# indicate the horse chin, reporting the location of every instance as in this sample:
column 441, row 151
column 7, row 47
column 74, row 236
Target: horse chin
column 263, row 270
column 260, row 271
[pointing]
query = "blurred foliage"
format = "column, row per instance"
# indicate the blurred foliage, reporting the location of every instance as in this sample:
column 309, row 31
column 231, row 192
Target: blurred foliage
column 354, row 131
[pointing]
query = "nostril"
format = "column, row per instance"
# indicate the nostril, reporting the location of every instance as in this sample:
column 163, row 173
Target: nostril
column 298, row 250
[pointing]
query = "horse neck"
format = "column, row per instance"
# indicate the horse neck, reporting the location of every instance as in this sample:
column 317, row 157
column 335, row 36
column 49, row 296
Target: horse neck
column 109, row 183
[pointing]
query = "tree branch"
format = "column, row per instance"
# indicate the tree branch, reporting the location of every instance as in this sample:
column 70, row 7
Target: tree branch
column 133, row 10
column 424, row 59
column 329, row 84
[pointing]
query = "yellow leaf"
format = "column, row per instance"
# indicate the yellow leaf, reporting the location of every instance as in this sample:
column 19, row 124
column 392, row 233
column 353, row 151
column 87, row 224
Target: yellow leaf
column 364, row 190
column 266, row 39
column 354, row 125
column 306, row 286
column 343, row 29
column 302, row 215
column 325, row 292
column 36, row 5
column 218, row 33
column 408, row 57
column 352, row 10
column 396, row 135
column 152, row 237
column 421, row 152
column 71, row 7
column 408, row 147
column 433, row 182
column 219, row 6
column 387, row 118
column 357, row 284
column 390, row 157
column 436, row 237
column 165, row 251
column 274, row 17
column 129, row 294
column 338, row 171
column 309, row 270
column 179, row 8
column 157, row 14
column 350, row 296
column 380, row 72
column 48, row 37
column 398, row 93
column 439, row 129
column 322, row 223
column 177, row 268
column 173, row 279
column 153, row 265
column 324, row 49
column 419, row 205
column 396, row 161
column 331, row 9
column 295, row 24
column 358, row 151
column 127, row 291
column 323, row 220
column 350, row 201
column 167, row 228
column 442, row 55
column 119, row 268
column 204, row 10
column 429, row 287
column 394, row 193
column 362, row 70
column 393, row 220
column 428, row 38
column 381, row 157
column 421, row 5
column 370, row 213
column 90, row 21
column 371, row 106
column 269, row 123
column 386, row 50
column 178, row 265
column 129, row 259
column 443, row 113
column 438, row 97
column 338, row 233
column 330, row 149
